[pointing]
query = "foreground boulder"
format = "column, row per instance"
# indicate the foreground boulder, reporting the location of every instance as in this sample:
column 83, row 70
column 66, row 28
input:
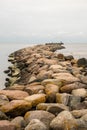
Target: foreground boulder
column 64, row 121
column 43, row 116
column 16, row 107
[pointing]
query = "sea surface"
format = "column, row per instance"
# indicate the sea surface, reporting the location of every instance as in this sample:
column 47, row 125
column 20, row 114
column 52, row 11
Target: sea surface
column 78, row 50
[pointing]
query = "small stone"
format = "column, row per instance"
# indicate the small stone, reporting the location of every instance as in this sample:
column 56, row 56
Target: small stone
column 82, row 62
column 79, row 113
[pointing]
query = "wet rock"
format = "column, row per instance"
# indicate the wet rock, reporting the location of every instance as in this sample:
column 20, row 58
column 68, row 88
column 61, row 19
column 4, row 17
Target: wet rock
column 14, row 94
column 16, row 107
column 82, row 62
column 63, row 121
column 69, row 57
column 51, row 90
column 36, row 124
column 3, row 100
column 3, row 116
column 74, row 102
column 80, row 92
column 19, row 122
column 62, row 98
column 43, row 116
column 6, row 125
column 36, row 99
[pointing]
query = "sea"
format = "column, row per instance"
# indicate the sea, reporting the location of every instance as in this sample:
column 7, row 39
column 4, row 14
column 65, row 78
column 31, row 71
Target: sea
column 78, row 50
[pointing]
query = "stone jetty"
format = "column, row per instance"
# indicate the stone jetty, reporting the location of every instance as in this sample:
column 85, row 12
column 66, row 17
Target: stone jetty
column 45, row 90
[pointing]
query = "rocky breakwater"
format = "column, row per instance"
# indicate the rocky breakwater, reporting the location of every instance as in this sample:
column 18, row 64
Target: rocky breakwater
column 45, row 91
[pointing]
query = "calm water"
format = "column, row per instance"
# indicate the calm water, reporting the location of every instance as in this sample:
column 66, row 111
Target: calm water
column 77, row 50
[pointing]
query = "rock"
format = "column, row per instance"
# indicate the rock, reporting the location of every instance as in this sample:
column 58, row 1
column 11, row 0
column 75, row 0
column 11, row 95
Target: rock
column 83, row 79
column 64, row 121
column 51, row 90
column 61, row 57
column 16, row 87
column 16, row 107
column 52, row 81
column 36, row 124
column 36, row 99
column 69, row 57
column 67, row 77
column 43, row 116
column 62, row 98
column 80, row 92
column 57, row 68
column 3, row 116
column 69, row 87
column 79, row 113
column 3, row 100
column 82, row 123
column 82, row 62
column 34, row 89
column 74, row 102
column 6, row 125
column 54, row 108
column 14, row 94
column 19, row 122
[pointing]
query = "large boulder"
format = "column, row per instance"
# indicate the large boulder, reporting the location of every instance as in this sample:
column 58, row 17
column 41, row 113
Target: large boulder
column 43, row 116
column 64, row 121
column 16, row 107
column 14, row 94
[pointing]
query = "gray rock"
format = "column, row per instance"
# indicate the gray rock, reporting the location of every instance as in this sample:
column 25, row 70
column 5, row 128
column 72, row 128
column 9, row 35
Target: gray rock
column 82, row 62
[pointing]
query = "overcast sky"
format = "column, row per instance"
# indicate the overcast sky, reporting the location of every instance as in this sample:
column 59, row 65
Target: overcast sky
column 36, row 21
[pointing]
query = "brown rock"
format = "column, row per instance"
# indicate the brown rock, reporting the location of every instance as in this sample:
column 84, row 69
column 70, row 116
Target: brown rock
column 16, row 107
column 67, row 77
column 3, row 100
column 51, row 90
column 16, row 87
column 6, row 125
column 14, row 94
column 43, row 116
column 18, row 122
column 34, row 89
column 69, row 87
column 62, row 98
column 79, row 113
column 3, row 116
column 64, row 121
column 36, row 124
column 80, row 92
column 36, row 99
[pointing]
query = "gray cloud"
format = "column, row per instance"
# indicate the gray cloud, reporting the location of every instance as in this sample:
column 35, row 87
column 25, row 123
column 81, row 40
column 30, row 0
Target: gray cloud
column 43, row 20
